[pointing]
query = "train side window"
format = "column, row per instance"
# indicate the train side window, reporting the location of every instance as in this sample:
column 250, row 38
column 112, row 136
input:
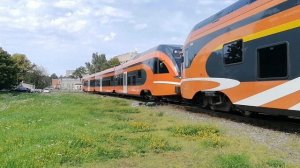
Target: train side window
column 162, row 67
column 133, row 80
column 273, row 61
column 233, row 52
column 139, row 73
column 128, row 80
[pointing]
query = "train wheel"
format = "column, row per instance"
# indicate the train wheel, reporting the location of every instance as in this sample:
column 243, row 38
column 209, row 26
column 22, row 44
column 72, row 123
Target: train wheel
column 246, row 113
column 201, row 101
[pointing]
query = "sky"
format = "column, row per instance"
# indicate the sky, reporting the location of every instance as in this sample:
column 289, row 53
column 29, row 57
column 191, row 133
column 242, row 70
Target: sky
column 61, row 35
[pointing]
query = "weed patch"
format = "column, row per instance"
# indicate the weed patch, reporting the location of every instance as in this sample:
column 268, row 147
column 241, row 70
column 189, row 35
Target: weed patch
column 200, row 131
column 233, row 161
column 132, row 126
column 107, row 153
column 276, row 163
column 151, row 143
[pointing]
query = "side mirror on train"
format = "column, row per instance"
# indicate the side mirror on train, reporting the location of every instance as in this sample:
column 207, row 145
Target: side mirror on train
column 182, row 59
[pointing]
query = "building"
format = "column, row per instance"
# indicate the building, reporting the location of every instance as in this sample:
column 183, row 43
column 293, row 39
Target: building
column 55, row 83
column 69, row 73
column 126, row 57
column 67, row 84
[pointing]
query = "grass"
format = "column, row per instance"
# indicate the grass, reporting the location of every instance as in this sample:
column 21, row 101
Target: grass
column 82, row 130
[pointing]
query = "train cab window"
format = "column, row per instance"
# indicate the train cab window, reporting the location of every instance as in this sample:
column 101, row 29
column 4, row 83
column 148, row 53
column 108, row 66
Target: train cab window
column 273, row 61
column 162, row 68
column 233, row 52
column 186, row 58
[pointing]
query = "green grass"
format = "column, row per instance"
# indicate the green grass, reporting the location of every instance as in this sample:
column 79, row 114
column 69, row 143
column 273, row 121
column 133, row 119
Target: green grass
column 83, row 130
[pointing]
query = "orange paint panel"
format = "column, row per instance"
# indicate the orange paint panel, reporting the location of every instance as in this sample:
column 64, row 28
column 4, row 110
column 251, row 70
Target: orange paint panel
column 239, row 15
column 247, row 89
column 285, row 102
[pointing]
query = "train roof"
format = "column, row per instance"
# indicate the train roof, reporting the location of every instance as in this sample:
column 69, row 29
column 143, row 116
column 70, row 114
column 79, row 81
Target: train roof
column 239, row 4
column 165, row 48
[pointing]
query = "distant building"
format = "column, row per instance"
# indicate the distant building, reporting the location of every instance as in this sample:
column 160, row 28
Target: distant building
column 69, row 73
column 67, row 84
column 126, row 57
column 70, row 84
column 55, row 83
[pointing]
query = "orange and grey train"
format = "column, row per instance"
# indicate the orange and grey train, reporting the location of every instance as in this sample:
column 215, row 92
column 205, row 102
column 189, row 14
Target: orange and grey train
column 246, row 56
column 152, row 74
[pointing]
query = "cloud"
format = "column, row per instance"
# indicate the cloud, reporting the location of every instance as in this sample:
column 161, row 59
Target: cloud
column 68, row 4
column 68, row 24
column 140, row 26
column 110, row 11
column 34, row 4
column 108, row 37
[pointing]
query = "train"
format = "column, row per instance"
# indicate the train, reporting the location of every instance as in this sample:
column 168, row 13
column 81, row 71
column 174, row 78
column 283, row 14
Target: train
column 152, row 75
column 244, row 58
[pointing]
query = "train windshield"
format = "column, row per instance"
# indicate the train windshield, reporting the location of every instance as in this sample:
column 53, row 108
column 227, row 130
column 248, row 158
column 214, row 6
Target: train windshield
column 177, row 54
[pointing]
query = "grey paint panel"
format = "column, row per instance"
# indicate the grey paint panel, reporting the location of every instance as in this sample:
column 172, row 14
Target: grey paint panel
column 247, row 70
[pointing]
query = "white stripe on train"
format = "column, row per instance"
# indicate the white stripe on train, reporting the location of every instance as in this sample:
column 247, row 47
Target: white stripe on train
column 259, row 99
column 272, row 94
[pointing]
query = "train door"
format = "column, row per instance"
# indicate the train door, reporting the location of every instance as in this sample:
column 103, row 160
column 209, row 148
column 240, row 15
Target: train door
column 100, row 84
column 89, row 85
column 125, row 86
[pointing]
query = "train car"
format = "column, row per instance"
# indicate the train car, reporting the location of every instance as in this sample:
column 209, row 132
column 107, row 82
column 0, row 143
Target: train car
column 152, row 74
column 88, row 83
column 246, row 57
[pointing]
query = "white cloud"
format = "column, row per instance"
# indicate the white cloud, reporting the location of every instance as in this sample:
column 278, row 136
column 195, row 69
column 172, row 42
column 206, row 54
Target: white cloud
column 68, row 4
column 109, row 11
column 141, row 26
column 67, row 24
column 34, row 4
column 108, row 37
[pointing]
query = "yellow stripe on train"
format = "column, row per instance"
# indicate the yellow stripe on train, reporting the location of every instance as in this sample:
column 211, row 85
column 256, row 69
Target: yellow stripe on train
column 268, row 32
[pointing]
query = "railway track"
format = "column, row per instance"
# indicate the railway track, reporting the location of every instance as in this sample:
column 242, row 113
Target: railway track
column 276, row 123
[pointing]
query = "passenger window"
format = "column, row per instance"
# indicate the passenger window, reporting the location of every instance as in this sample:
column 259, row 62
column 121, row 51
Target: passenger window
column 233, row 52
column 139, row 73
column 273, row 61
column 133, row 80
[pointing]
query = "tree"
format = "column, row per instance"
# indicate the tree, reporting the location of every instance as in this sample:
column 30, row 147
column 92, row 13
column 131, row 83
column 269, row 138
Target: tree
column 79, row 72
column 113, row 62
column 8, row 71
column 23, row 64
column 54, row 76
column 38, row 76
column 99, row 63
